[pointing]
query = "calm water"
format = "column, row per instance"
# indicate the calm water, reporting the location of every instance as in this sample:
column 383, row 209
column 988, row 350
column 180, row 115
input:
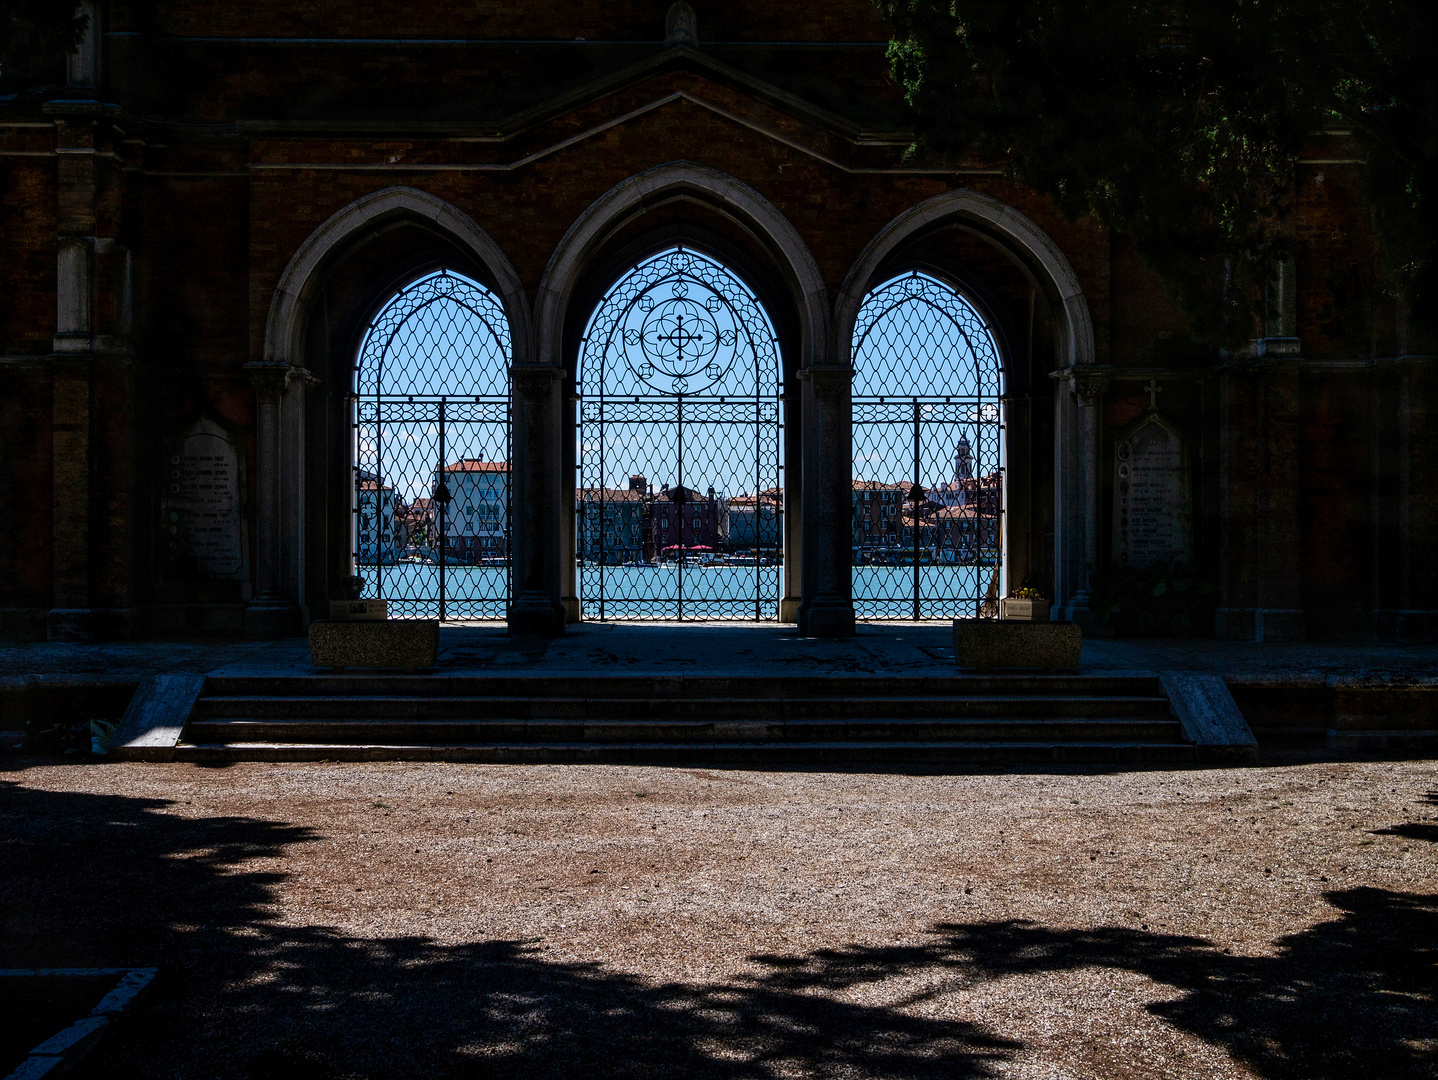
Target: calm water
column 716, row 592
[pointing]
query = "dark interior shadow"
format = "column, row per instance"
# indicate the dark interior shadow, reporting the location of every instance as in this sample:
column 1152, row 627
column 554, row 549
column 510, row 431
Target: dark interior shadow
column 103, row 879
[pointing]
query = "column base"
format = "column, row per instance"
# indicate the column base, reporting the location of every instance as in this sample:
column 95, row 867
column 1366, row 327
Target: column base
column 269, row 619
column 90, row 624
column 789, row 609
column 826, row 619
column 536, row 616
column 1411, row 625
column 1259, row 624
column 1078, row 612
column 573, row 611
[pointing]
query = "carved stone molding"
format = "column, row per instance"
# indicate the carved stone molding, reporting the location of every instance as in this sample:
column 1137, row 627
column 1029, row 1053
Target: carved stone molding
column 1088, row 386
column 271, row 378
column 535, row 379
column 831, row 382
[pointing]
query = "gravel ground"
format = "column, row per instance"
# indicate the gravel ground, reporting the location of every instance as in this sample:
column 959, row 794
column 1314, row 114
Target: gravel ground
column 399, row 920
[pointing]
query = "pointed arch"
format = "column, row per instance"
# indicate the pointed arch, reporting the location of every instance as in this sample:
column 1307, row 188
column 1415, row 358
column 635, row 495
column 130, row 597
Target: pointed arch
column 1051, row 271
column 284, row 327
column 731, row 197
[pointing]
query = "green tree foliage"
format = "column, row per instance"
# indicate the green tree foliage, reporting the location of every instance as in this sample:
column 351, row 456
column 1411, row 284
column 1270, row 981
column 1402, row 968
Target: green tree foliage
column 35, row 36
column 1179, row 121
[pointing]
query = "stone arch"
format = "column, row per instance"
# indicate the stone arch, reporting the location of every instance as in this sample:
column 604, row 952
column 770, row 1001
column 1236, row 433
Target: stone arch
column 1000, row 222
column 1075, row 426
column 281, row 379
column 583, row 245
column 732, row 197
column 284, row 327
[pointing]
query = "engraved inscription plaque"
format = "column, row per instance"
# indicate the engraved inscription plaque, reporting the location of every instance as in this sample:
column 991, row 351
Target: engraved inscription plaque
column 1152, row 508
column 201, row 527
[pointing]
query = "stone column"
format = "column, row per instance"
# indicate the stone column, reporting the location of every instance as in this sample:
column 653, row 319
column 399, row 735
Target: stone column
column 827, row 609
column 1088, row 388
column 270, row 614
column 535, row 503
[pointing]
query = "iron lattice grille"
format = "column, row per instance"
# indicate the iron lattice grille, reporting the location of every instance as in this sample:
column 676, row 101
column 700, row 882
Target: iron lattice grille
column 432, row 453
column 679, row 504
column 928, row 455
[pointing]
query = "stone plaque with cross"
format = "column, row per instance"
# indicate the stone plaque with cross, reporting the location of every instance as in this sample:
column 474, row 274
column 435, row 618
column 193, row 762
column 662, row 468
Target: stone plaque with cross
column 1152, row 500
column 201, row 527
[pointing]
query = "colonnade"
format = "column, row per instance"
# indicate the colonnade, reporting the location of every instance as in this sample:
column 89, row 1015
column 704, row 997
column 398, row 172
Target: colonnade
column 540, row 429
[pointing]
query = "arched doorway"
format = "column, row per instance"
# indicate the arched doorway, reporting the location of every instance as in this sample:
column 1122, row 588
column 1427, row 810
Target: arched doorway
column 679, row 507
column 929, row 454
column 432, row 439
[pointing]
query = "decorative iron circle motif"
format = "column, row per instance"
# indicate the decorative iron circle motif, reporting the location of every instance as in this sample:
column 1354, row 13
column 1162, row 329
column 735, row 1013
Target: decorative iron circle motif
column 679, row 323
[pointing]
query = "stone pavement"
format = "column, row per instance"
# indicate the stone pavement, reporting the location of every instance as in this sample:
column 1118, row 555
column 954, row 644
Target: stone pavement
column 707, row 648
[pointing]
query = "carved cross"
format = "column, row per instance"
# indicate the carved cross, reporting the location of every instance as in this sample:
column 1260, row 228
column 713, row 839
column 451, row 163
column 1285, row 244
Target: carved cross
column 1153, row 391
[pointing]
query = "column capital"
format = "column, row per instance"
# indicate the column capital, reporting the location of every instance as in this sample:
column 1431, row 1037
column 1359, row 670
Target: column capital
column 1088, row 385
column 271, row 378
column 830, row 381
column 535, row 378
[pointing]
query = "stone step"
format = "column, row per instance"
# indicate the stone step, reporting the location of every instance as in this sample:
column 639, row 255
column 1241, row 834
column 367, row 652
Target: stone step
column 752, row 755
column 355, row 730
column 392, row 707
column 677, row 686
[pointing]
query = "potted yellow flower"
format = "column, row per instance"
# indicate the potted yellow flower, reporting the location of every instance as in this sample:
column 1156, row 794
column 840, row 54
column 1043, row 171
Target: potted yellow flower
column 1025, row 605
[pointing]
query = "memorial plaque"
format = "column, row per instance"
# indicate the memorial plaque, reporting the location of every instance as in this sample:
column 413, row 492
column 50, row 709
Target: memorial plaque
column 1152, row 508
column 201, row 525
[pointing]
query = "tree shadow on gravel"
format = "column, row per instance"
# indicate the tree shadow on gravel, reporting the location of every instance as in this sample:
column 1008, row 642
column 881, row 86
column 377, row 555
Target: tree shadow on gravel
column 89, row 880
column 1417, row 830
column 115, row 881
column 1350, row 997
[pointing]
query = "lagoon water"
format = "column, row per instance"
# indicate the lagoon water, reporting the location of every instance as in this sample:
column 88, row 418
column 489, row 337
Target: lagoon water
column 669, row 592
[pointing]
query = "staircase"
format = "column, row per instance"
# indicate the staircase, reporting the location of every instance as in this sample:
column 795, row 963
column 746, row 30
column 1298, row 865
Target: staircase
column 741, row 721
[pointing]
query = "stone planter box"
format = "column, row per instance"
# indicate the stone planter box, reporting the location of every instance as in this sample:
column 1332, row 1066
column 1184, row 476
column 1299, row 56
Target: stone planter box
column 1025, row 610
column 1005, row 643
column 371, row 643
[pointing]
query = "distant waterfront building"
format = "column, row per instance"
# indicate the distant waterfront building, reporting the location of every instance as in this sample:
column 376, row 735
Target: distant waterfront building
column 956, row 491
column 417, row 523
column 754, row 521
column 876, row 508
column 375, row 523
column 612, row 523
column 476, row 517
column 680, row 518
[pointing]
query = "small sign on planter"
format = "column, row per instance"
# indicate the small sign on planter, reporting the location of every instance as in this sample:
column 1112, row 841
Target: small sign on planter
column 1028, row 610
column 359, row 609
